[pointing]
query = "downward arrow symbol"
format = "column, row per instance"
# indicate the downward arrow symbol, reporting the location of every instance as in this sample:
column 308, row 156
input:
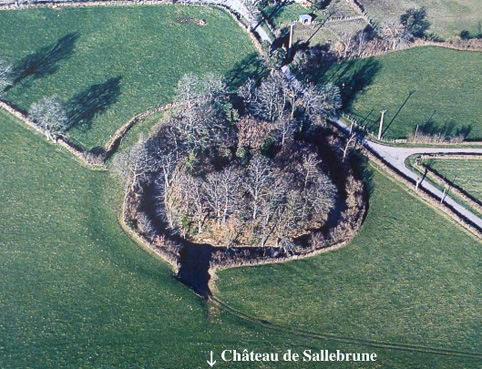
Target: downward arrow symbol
column 212, row 361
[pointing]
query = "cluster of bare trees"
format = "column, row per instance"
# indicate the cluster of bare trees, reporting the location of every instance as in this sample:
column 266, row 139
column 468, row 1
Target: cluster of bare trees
column 275, row 97
column 202, row 122
column 214, row 170
column 50, row 115
column 262, row 203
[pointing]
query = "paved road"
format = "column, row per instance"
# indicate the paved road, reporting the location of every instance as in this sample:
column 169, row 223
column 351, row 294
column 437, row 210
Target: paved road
column 237, row 7
column 393, row 156
column 396, row 157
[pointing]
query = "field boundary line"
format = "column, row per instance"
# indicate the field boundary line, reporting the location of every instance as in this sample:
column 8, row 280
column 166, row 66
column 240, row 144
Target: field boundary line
column 425, row 195
column 440, row 179
column 84, row 155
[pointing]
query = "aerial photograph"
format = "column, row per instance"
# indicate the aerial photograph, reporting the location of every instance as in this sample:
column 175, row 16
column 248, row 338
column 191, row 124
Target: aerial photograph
column 241, row 184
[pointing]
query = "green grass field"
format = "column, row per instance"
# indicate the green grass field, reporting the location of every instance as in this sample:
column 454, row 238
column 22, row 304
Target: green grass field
column 465, row 173
column 76, row 292
column 409, row 277
column 435, row 88
column 110, row 63
column 280, row 17
column 448, row 17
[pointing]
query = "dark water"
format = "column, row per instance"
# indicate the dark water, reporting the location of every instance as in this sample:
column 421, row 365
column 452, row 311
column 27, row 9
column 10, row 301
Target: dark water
column 194, row 269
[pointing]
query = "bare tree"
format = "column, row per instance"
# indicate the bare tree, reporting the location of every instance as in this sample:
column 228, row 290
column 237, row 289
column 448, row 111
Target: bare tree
column 167, row 150
column 133, row 166
column 202, row 118
column 188, row 195
column 351, row 142
column 252, row 6
column 50, row 116
column 222, row 190
column 348, row 44
column 259, row 176
column 321, row 101
column 188, row 90
column 394, row 33
column 286, row 127
column 197, row 202
column 272, row 97
column 5, row 75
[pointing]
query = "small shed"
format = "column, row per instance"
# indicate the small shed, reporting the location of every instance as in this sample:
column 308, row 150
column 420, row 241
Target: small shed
column 306, row 19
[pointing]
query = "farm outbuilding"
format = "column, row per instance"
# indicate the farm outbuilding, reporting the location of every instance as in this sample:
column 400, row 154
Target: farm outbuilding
column 306, row 19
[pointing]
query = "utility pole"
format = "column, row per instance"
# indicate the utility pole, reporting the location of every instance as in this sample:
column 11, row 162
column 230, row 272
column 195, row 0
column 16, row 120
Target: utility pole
column 444, row 195
column 380, row 130
column 291, row 40
column 417, row 183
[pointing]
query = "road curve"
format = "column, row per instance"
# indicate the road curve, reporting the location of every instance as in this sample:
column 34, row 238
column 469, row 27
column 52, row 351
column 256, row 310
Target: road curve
column 395, row 157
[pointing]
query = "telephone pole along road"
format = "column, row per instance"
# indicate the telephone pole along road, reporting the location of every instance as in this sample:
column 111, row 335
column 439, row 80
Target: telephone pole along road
column 395, row 157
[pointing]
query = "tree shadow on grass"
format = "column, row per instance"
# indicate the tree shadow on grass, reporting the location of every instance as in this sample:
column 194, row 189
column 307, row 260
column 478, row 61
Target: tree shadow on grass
column 447, row 130
column 252, row 66
column 84, row 106
column 268, row 16
column 44, row 61
column 353, row 77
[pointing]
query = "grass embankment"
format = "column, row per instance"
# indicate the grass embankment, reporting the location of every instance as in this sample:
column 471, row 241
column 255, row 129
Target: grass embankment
column 448, row 17
column 409, row 276
column 110, row 63
column 465, row 173
column 435, row 88
column 76, row 292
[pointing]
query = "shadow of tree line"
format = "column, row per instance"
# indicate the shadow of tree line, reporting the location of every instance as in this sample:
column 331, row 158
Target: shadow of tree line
column 85, row 105
column 322, row 66
column 251, row 66
column 44, row 61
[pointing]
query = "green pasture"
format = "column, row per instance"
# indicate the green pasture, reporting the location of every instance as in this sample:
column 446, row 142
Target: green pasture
column 465, row 173
column 435, row 88
column 448, row 17
column 76, row 292
column 108, row 64
column 410, row 276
